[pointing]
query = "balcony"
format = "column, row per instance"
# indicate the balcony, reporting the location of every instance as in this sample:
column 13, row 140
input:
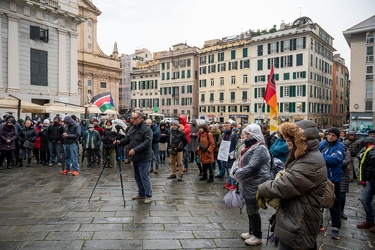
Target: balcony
column 244, row 100
column 52, row 3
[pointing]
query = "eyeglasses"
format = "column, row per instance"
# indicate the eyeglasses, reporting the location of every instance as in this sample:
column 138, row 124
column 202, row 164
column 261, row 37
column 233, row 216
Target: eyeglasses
column 134, row 118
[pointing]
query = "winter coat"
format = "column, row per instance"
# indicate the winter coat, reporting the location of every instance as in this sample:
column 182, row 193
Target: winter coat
column 279, row 149
column 73, row 131
column 334, row 155
column 55, row 132
column 91, row 140
column 178, row 139
column 166, row 133
column 155, row 133
column 254, row 163
column 8, row 132
column 139, row 139
column 367, row 166
column 345, row 179
column 109, row 137
column 27, row 134
column 353, row 145
column 183, row 121
column 217, row 138
column 300, row 188
column 44, row 141
column 99, row 129
column 207, row 140
column 193, row 144
column 233, row 138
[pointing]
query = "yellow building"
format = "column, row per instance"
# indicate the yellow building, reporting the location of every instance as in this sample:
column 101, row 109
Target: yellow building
column 340, row 88
column 97, row 72
column 224, row 79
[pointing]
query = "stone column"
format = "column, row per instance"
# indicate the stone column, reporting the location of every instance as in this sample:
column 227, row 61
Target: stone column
column 2, row 88
column 13, row 55
column 62, row 85
column 73, row 65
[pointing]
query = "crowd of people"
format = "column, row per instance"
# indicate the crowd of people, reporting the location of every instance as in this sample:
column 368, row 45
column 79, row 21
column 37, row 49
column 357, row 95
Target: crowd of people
column 248, row 158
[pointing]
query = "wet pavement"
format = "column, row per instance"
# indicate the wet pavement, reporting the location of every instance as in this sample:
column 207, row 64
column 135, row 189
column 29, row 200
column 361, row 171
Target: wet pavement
column 41, row 209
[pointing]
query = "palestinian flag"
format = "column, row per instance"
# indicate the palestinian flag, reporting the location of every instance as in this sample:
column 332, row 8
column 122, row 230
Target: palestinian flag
column 103, row 101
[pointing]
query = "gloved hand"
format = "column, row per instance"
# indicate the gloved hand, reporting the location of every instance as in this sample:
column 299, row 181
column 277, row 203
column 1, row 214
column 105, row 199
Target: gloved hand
column 362, row 183
column 261, row 201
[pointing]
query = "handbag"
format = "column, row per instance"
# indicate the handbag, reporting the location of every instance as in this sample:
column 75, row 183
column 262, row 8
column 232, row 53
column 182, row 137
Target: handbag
column 28, row 144
column 329, row 195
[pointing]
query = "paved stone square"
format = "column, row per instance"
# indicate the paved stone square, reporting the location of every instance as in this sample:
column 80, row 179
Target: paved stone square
column 41, row 209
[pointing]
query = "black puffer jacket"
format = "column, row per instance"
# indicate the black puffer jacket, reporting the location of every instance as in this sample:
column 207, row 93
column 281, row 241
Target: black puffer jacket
column 300, row 188
column 139, row 139
column 108, row 137
column 27, row 134
column 178, row 139
column 353, row 145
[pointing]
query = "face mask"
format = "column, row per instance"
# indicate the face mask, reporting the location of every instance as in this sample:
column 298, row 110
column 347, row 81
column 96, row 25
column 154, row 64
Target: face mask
column 91, row 129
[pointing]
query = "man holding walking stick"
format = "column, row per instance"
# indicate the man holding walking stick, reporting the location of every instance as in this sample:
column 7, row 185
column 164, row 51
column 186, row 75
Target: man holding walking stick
column 139, row 139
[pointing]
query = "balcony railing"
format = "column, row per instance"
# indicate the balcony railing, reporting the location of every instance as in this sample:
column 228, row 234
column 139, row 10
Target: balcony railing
column 53, row 3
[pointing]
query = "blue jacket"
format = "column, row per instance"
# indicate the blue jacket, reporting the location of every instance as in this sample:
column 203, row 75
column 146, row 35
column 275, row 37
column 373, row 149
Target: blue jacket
column 155, row 133
column 334, row 156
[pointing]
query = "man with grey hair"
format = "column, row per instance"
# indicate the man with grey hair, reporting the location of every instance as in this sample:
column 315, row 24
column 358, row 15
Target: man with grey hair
column 139, row 139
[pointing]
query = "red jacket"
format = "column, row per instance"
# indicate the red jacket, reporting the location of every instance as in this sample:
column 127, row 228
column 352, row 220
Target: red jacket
column 183, row 122
column 99, row 129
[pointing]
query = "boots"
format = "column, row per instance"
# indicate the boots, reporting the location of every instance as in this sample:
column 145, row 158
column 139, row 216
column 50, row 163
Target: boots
column 28, row 163
column 211, row 179
column 200, row 169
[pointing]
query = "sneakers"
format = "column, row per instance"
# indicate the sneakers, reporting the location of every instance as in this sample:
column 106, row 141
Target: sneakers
column 253, row 241
column 148, row 200
column 156, row 171
column 51, row 164
column 365, row 225
column 59, row 164
column 179, row 178
column 227, row 185
column 231, row 188
column 245, row 236
column 138, row 197
column 75, row 173
column 335, row 235
column 186, row 169
column 321, row 228
column 65, row 172
column 172, row 176
column 372, row 230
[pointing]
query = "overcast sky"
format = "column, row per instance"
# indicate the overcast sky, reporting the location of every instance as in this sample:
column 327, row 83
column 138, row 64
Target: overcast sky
column 159, row 24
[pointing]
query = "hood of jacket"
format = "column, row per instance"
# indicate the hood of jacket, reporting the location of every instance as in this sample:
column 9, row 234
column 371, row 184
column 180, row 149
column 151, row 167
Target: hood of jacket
column 69, row 120
column 182, row 120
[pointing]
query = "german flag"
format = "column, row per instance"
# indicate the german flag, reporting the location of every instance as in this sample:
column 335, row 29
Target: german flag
column 270, row 96
column 103, row 101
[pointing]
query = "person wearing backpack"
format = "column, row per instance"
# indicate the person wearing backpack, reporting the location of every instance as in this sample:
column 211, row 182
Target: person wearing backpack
column 300, row 188
column 334, row 152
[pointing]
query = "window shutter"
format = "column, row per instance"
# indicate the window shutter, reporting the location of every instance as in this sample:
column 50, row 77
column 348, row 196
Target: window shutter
column 292, row 90
column 303, row 107
column 277, row 47
column 263, row 108
column 282, row 62
column 303, row 90
column 304, row 74
column 281, row 107
column 269, row 63
column 290, row 61
column 268, row 108
column 263, row 91
column 255, row 93
column 294, row 75
column 35, row 32
column 281, row 91
column 282, row 46
column 269, row 48
column 255, row 79
column 255, row 107
column 304, row 42
column 277, row 77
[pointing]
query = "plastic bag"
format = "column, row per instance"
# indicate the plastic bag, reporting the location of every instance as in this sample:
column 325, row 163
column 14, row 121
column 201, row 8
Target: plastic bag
column 234, row 199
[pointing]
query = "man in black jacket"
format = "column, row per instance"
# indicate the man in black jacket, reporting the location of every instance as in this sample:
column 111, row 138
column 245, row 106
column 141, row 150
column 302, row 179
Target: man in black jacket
column 55, row 132
column 71, row 135
column 139, row 139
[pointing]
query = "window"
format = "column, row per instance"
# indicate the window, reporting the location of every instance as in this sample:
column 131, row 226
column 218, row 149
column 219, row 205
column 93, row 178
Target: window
column 299, row 90
column 232, row 96
column 202, row 60
column 202, row 70
column 244, row 95
column 370, row 54
column 301, row 74
column 163, row 66
column 221, row 96
column 233, row 54
column 188, row 73
column 211, row 96
column 176, row 75
column 286, row 76
column 213, row 68
column 244, row 52
column 89, row 23
column 182, row 89
column 370, row 37
column 211, row 58
column 260, row 64
column 368, row 105
column 260, row 50
column 189, row 89
column 39, row 67
column 232, row 65
column 220, row 57
column 38, row 33
column 202, row 97
column 260, row 78
column 259, row 92
column 299, row 59
column 188, row 62
column 369, row 90
column 245, row 64
column 89, row 83
column 182, row 73
column 369, row 72
column 221, row 81
column 182, row 63
column 286, row 91
column 168, row 75
column 212, row 82
column 202, row 83
column 221, row 67
column 244, row 78
column 233, row 79
column 103, row 85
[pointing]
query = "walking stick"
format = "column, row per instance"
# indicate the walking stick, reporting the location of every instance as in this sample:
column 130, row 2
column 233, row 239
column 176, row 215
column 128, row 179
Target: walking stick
column 122, row 185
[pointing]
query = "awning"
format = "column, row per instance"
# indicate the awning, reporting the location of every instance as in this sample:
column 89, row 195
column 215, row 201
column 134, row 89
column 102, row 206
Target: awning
column 60, row 108
column 12, row 103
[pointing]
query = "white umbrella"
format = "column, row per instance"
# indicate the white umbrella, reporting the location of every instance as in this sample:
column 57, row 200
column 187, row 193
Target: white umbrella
column 12, row 103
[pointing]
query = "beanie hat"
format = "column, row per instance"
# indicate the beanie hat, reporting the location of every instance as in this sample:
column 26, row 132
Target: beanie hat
column 175, row 122
column 9, row 117
column 334, row 131
column 46, row 121
column 372, row 131
column 369, row 139
column 351, row 132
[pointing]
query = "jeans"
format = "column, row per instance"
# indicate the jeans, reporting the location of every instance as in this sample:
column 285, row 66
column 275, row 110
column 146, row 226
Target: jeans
column 186, row 156
column 335, row 210
column 142, row 178
column 220, row 166
column 121, row 153
column 71, row 156
column 155, row 149
column 228, row 166
column 55, row 151
column 366, row 199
